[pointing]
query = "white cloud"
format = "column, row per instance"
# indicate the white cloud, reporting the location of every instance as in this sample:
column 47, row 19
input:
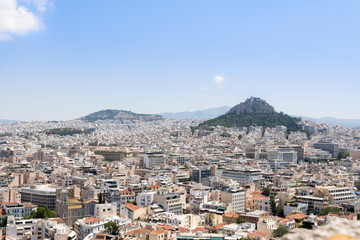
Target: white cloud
column 203, row 88
column 219, row 79
column 41, row 5
column 17, row 20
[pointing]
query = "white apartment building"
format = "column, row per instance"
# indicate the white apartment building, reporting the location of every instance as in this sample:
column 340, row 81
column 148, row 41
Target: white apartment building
column 335, row 195
column 105, row 210
column 243, row 175
column 295, row 207
column 145, row 199
column 153, row 160
column 86, row 226
column 237, row 199
column 29, row 229
column 55, row 229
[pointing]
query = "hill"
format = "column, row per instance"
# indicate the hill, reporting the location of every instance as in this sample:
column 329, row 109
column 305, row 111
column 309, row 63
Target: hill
column 112, row 114
column 200, row 114
column 254, row 112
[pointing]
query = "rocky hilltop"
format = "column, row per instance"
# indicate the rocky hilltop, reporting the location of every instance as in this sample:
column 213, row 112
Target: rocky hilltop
column 252, row 105
column 254, row 112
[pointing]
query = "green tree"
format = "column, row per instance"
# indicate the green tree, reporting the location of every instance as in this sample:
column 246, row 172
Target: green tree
column 328, row 210
column 131, row 202
column 240, row 220
column 101, row 198
column 266, row 191
column 307, row 225
column 281, row 213
column 280, row 231
column 4, row 222
column 240, row 137
column 274, row 209
column 112, row 228
column 343, row 154
column 42, row 212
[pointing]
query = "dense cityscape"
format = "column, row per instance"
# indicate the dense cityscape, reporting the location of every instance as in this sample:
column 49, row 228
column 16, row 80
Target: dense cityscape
column 171, row 179
column 179, row 120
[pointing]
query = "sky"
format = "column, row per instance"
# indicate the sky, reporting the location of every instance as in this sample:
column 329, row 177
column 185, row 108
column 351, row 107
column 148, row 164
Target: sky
column 63, row 59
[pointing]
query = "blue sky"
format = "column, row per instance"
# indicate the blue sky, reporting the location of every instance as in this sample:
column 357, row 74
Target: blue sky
column 68, row 58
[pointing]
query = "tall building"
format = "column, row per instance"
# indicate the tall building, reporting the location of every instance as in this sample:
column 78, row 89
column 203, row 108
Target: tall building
column 335, row 195
column 23, row 229
column 200, row 173
column 153, row 160
column 332, row 148
column 243, row 175
column 42, row 196
column 237, row 198
column 171, row 202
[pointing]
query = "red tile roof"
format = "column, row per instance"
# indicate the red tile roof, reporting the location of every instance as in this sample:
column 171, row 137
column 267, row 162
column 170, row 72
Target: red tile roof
column 131, row 206
column 297, row 216
column 125, row 192
column 199, row 229
column 92, row 219
column 231, row 215
column 257, row 234
column 11, row 203
column 159, row 231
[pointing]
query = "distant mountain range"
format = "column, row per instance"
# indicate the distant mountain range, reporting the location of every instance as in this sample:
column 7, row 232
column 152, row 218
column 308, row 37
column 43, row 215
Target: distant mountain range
column 252, row 106
column 113, row 114
column 353, row 123
column 7, row 121
column 253, row 112
column 200, row 114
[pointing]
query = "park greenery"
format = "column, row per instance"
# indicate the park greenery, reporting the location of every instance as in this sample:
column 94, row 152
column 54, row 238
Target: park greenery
column 328, row 210
column 240, row 220
column 268, row 119
column 41, row 212
column 112, row 228
column 343, row 154
column 68, row 131
column 266, row 191
column 280, row 231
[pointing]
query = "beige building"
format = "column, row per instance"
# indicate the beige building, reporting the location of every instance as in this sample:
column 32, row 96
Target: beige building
column 171, row 202
column 159, row 235
column 9, row 195
column 335, row 194
column 355, row 154
column 236, row 198
column 134, row 212
column 267, row 225
column 186, row 220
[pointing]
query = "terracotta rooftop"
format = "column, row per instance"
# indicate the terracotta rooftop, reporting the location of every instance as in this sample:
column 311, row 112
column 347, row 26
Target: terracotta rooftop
column 231, row 215
column 165, row 227
column 125, row 192
column 220, row 226
column 92, row 219
column 11, row 203
column 297, row 216
column 199, row 229
column 159, row 231
column 138, row 231
column 257, row 234
column 132, row 206
column 29, row 205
